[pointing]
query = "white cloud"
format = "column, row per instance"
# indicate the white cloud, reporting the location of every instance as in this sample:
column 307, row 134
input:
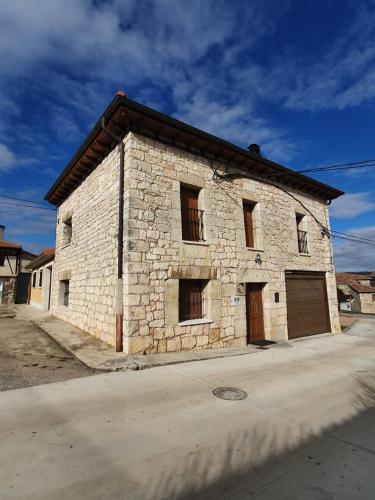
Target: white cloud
column 341, row 76
column 352, row 205
column 353, row 256
column 200, row 57
column 8, row 160
column 127, row 43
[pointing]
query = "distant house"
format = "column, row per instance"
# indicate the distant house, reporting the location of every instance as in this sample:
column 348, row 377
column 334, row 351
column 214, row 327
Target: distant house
column 14, row 277
column 356, row 290
column 41, row 280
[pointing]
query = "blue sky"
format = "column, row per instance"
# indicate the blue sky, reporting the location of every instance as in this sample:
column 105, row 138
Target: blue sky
column 297, row 77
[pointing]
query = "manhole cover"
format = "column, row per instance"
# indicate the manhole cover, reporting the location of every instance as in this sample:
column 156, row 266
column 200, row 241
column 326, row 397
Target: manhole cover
column 230, row 393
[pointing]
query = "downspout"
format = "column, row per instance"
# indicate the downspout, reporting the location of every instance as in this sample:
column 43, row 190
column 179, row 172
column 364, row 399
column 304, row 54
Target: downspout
column 120, row 241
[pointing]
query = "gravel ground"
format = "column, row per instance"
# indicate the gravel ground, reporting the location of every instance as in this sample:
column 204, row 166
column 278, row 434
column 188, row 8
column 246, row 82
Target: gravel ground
column 29, row 357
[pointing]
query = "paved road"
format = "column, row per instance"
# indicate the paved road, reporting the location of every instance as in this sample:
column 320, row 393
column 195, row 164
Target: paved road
column 29, row 357
column 305, row 431
column 364, row 326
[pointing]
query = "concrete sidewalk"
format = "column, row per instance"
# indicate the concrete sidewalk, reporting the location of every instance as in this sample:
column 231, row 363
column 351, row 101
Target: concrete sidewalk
column 92, row 352
column 100, row 356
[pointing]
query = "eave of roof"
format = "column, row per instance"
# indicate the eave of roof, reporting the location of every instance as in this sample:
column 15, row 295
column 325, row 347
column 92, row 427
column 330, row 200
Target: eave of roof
column 41, row 259
column 123, row 115
column 352, row 281
column 10, row 245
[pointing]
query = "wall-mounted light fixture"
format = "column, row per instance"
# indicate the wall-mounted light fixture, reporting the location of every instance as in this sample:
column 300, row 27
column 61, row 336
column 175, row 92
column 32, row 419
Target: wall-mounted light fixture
column 258, row 258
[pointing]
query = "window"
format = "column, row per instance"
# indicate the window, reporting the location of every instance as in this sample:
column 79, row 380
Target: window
column 301, row 234
column 67, row 231
column 373, row 297
column 40, row 278
column 248, row 209
column 34, row 280
column 191, row 299
column 191, row 215
column 64, row 293
column 2, row 260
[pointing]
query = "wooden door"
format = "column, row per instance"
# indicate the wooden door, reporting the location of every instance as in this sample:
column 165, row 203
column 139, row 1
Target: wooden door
column 22, row 293
column 254, row 312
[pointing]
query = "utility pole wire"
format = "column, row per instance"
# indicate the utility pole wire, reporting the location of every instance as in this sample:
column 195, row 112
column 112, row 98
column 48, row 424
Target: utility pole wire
column 325, row 230
column 28, row 206
column 27, row 201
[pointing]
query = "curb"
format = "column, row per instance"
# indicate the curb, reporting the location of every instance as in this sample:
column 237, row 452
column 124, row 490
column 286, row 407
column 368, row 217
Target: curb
column 98, row 368
column 347, row 328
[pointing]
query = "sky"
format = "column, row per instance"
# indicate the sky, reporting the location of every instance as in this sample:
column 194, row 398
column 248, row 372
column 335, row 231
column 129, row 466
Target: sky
column 296, row 77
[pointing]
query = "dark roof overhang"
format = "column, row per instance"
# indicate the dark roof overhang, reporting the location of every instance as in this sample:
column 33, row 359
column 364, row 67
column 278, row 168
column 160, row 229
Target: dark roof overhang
column 124, row 115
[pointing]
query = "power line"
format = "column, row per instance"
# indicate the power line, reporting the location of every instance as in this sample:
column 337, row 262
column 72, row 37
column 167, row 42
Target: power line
column 348, row 164
column 325, row 230
column 352, row 236
column 28, row 206
column 334, row 236
column 23, row 199
column 327, row 168
column 332, row 168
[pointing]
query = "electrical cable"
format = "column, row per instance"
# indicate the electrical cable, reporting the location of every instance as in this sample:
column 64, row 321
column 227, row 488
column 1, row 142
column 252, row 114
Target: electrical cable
column 325, row 230
column 28, row 206
column 23, row 199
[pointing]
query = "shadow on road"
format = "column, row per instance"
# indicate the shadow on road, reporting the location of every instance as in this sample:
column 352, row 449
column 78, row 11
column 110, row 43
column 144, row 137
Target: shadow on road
column 338, row 463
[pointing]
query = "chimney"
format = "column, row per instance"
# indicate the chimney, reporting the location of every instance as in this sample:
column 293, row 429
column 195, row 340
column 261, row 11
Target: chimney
column 255, row 149
column 2, row 231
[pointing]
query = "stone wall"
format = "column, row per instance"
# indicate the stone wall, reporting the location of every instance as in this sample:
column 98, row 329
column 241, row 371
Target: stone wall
column 156, row 257
column 89, row 261
column 367, row 303
column 9, row 290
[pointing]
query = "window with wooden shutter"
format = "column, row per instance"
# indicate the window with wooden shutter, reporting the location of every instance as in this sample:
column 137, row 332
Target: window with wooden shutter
column 191, row 299
column 191, row 215
column 248, row 209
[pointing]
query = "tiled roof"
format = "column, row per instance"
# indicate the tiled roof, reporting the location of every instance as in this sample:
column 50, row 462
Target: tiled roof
column 124, row 114
column 41, row 259
column 9, row 244
column 352, row 280
column 49, row 252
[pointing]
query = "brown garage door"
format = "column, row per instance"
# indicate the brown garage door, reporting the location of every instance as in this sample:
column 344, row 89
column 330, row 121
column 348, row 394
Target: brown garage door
column 306, row 295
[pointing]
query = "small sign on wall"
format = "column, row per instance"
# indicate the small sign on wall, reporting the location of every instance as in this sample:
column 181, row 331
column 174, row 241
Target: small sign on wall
column 241, row 288
column 235, row 301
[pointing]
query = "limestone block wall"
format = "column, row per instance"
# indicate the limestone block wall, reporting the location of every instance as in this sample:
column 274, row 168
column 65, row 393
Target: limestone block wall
column 156, row 257
column 89, row 261
column 8, row 290
column 367, row 303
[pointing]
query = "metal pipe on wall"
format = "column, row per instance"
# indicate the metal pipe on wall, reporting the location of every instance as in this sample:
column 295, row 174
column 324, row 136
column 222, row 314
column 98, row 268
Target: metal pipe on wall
column 120, row 240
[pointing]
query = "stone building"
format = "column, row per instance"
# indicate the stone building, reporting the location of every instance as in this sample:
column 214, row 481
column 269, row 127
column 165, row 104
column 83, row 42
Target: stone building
column 14, row 277
column 357, row 290
column 169, row 238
